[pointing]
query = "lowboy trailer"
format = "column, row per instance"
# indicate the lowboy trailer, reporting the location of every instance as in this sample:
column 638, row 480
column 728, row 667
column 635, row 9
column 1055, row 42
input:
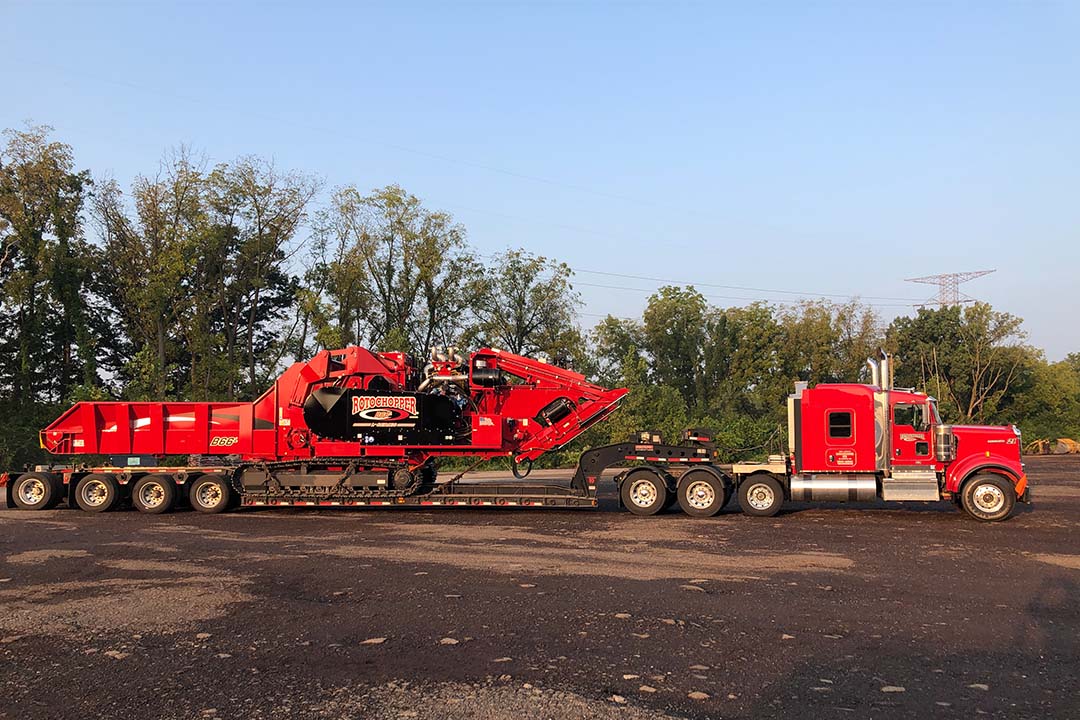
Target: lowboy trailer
column 353, row 427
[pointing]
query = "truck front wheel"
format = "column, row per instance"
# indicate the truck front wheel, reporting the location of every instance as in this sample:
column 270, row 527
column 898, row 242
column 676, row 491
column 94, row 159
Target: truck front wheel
column 643, row 492
column 761, row 495
column 988, row 497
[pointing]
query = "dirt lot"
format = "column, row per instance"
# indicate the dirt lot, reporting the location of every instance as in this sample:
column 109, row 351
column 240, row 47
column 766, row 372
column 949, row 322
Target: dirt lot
column 848, row 611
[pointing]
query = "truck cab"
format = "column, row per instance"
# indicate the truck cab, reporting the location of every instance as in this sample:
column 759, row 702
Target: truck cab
column 854, row 441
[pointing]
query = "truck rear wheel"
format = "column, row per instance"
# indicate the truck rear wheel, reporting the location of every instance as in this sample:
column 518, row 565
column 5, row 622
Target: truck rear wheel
column 36, row 491
column 761, row 495
column 701, row 493
column 643, row 492
column 988, row 497
column 154, row 494
column 210, row 494
column 97, row 492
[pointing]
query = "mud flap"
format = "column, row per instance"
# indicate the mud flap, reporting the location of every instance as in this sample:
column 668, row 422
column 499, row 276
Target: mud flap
column 5, row 482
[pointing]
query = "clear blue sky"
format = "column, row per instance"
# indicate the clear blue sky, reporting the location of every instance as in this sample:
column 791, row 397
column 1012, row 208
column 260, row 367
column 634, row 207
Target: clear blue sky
column 811, row 147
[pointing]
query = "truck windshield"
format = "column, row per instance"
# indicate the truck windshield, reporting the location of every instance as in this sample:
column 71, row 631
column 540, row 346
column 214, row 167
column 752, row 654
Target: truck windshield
column 931, row 408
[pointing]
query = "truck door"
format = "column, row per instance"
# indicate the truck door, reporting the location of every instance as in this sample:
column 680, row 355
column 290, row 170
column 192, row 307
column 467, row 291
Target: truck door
column 910, row 435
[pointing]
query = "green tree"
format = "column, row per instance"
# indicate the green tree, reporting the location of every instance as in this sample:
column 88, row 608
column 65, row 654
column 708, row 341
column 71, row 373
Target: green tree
column 48, row 316
column 388, row 273
column 969, row 358
column 648, row 406
column 528, row 306
column 1046, row 400
column 828, row 342
column 197, row 275
column 674, row 324
column 612, row 340
column 243, row 288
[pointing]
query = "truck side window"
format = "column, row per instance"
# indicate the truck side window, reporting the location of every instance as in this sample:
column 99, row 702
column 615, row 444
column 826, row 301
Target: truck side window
column 840, row 424
column 904, row 414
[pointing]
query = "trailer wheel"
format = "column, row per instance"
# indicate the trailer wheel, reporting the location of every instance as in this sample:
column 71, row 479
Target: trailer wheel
column 210, row 494
column 761, row 495
column 154, row 494
column 643, row 492
column 701, row 493
column 97, row 493
column 988, row 497
column 36, row 491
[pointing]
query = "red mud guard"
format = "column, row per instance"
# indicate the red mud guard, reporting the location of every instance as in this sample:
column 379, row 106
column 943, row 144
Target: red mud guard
column 8, row 501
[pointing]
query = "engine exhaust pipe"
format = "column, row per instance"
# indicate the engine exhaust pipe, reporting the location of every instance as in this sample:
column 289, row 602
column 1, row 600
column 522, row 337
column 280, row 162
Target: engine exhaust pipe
column 886, row 370
column 875, row 372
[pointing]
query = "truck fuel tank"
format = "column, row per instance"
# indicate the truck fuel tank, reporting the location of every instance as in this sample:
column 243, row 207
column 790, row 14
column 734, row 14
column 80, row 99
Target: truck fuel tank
column 840, row 487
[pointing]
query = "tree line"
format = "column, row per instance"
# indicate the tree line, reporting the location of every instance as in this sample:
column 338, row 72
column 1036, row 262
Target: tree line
column 201, row 282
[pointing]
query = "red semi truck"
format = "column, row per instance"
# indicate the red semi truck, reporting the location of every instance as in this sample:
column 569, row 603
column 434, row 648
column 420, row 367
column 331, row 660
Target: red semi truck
column 356, row 427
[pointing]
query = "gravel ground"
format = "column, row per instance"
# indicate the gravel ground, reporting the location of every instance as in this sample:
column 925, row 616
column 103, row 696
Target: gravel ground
column 825, row 611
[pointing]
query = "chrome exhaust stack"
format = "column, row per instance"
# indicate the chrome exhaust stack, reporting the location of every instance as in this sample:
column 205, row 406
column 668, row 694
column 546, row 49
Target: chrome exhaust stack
column 886, row 370
column 875, row 372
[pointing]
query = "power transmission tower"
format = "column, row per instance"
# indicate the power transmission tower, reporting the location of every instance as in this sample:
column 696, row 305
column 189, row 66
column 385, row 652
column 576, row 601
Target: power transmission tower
column 949, row 286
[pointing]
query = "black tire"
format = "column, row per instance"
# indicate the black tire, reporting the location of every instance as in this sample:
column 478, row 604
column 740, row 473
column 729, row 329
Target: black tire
column 761, row 495
column 701, row 493
column 643, row 492
column 37, row 491
column 988, row 497
column 154, row 494
column 210, row 494
column 97, row 492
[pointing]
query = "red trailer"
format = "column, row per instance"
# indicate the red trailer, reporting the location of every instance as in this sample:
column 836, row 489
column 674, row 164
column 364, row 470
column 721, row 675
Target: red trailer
column 348, row 427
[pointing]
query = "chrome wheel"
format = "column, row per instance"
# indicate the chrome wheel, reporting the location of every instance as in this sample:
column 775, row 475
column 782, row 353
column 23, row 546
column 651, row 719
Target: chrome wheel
column 760, row 496
column 643, row 493
column 152, row 495
column 209, row 495
column 989, row 498
column 94, row 493
column 700, row 495
column 32, row 492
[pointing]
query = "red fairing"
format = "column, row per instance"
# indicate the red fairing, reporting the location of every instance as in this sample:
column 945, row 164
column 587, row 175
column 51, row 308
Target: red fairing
column 494, row 404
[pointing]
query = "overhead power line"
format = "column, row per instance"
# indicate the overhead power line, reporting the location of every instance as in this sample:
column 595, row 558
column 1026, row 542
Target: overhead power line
column 727, row 297
column 802, row 295
column 744, row 288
